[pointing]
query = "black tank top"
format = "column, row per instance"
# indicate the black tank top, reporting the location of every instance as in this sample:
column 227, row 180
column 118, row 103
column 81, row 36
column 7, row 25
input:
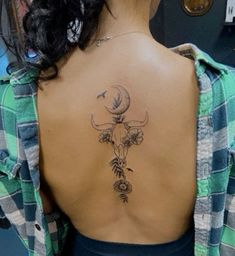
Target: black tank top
column 81, row 245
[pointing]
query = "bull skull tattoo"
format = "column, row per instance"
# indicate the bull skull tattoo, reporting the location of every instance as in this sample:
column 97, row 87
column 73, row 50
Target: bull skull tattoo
column 121, row 135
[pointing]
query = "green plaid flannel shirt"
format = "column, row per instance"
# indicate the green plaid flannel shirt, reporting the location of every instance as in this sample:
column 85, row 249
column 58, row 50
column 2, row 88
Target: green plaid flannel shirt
column 214, row 213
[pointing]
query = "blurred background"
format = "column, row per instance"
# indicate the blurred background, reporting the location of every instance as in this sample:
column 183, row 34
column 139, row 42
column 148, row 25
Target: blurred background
column 210, row 32
column 209, row 24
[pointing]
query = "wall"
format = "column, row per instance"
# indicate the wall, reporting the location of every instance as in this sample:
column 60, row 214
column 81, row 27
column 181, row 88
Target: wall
column 172, row 26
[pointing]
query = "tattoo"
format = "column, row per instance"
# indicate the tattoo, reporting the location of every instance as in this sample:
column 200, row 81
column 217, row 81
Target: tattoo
column 101, row 95
column 121, row 135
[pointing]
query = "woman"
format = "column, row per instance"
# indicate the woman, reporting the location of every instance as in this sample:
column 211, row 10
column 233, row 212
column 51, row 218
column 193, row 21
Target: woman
column 135, row 150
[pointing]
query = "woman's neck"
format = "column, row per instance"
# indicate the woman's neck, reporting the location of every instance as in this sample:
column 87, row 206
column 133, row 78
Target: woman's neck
column 127, row 17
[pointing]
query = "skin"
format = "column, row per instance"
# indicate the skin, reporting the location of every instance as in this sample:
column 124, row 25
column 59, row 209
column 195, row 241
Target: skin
column 75, row 170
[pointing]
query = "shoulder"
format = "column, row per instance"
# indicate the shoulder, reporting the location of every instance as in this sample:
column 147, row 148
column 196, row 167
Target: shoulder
column 216, row 82
column 149, row 54
column 220, row 75
column 149, row 61
column 203, row 61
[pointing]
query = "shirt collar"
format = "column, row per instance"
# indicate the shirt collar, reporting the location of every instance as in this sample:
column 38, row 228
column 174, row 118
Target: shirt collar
column 24, row 76
column 199, row 56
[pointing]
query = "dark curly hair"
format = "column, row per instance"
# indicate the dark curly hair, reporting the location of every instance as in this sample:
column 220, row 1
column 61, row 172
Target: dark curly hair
column 45, row 28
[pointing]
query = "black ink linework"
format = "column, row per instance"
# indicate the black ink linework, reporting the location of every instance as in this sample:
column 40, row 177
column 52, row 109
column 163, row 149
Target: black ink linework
column 121, row 135
column 101, row 95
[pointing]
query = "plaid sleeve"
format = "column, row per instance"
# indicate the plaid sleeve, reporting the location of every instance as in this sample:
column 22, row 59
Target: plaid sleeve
column 227, row 246
column 232, row 153
column 8, row 133
column 58, row 229
column 4, row 222
column 7, row 160
column 229, row 86
column 20, row 203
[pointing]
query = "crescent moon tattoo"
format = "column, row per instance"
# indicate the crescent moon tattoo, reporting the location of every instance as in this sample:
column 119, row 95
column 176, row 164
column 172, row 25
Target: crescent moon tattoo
column 121, row 102
column 121, row 135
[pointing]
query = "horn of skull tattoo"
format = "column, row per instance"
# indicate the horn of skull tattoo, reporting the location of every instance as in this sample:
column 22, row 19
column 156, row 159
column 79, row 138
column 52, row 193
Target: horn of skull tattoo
column 121, row 135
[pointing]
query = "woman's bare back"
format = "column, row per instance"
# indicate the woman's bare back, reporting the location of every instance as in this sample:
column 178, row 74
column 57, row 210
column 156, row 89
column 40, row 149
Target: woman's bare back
column 76, row 165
